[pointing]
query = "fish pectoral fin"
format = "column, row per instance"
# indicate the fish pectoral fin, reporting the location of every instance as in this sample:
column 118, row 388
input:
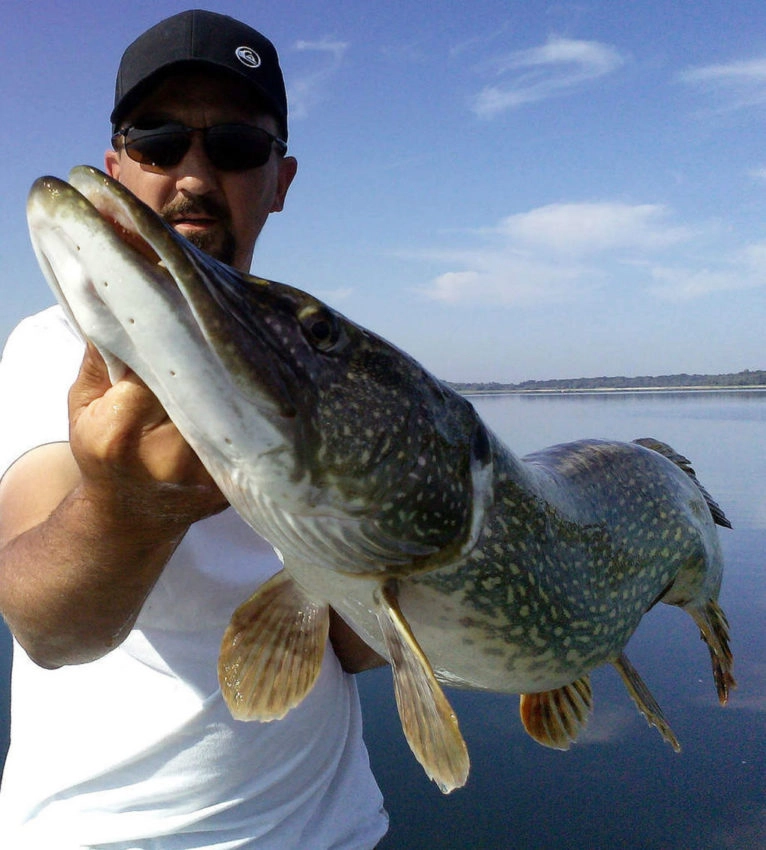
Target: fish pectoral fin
column 428, row 720
column 556, row 718
column 272, row 650
column 644, row 701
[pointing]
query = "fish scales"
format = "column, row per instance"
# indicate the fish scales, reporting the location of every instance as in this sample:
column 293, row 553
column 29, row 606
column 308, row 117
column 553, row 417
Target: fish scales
column 581, row 582
column 384, row 492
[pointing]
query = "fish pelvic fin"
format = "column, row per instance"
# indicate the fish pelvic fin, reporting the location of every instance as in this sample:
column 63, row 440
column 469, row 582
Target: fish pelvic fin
column 644, row 700
column 428, row 720
column 714, row 630
column 719, row 517
column 272, row 650
column 556, row 718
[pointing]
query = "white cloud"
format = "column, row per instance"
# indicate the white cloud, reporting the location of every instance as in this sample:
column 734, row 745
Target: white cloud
column 555, row 68
column 739, row 84
column 311, row 86
column 677, row 283
column 588, row 228
column 335, row 48
column 564, row 252
column 502, row 278
column 754, row 256
column 335, row 296
column 743, row 269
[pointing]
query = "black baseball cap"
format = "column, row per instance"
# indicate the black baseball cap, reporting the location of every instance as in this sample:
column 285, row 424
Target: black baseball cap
column 198, row 37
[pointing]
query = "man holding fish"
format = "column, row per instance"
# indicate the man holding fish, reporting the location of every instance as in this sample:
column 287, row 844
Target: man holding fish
column 120, row 564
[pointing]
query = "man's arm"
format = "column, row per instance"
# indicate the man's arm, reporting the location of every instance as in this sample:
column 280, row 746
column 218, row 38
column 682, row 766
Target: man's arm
column 354, row 654
column 87, row 527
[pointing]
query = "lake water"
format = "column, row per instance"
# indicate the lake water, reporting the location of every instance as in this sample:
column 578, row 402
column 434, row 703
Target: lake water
column 620, row 787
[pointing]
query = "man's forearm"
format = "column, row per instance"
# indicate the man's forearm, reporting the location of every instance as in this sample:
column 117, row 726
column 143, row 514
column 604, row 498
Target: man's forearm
column 72, row 586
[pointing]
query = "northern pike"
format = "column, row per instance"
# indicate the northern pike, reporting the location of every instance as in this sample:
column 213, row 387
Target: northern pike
column 384, row 493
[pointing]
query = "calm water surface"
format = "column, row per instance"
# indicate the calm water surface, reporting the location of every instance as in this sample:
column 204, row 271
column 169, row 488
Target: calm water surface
column 620, row 787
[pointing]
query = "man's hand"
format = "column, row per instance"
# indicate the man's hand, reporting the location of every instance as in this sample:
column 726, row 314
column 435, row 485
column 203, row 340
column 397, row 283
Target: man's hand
column 127, row 447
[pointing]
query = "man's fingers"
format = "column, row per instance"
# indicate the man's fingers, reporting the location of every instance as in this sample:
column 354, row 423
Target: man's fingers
column 121, row 434
column 92, row 380
column 128, row 400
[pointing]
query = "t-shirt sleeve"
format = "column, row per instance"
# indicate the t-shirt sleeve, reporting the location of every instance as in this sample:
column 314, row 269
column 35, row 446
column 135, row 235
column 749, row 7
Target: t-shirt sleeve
column 40, row 362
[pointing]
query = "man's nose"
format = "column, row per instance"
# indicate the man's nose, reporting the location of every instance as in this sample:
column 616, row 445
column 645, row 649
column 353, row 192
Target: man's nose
column 195, row 173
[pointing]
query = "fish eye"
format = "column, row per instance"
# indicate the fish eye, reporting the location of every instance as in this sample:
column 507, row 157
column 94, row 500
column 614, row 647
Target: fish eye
column 320, row 327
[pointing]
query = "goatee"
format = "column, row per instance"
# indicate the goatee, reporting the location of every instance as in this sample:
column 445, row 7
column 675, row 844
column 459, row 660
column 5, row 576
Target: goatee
column 218, row 241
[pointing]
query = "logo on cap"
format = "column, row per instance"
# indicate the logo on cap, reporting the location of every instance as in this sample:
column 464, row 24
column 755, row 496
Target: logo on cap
column 247, row 56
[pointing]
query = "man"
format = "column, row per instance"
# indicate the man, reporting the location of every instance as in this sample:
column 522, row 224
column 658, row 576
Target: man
column 119, row 565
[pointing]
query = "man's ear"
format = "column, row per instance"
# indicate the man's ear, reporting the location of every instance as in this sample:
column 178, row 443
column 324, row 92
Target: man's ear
column 287, row 169
column 112, row 163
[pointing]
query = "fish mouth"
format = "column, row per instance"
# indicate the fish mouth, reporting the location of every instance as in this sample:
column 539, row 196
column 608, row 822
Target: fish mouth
column 73, row 223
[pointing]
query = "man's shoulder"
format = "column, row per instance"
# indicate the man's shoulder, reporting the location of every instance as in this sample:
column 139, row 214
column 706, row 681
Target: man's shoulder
column 51, row 319
column 49, row 330
column 38, row 365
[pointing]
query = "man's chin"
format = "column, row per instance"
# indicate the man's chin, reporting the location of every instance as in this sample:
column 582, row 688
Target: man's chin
column 220, row 246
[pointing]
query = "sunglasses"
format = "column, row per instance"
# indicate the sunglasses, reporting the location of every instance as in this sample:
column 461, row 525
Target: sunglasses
column 229, row 147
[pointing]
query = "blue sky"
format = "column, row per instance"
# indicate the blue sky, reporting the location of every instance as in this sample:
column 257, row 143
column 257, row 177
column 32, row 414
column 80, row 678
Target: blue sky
column 507, row 190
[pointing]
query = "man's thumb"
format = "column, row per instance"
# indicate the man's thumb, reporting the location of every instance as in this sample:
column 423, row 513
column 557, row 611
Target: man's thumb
column 93, row 379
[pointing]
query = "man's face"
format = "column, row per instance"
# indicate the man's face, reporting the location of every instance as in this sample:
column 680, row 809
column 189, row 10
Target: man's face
column 221, row 212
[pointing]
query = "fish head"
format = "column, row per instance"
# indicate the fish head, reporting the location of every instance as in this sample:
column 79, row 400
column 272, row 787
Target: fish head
column 377, row 440
column 325, row 437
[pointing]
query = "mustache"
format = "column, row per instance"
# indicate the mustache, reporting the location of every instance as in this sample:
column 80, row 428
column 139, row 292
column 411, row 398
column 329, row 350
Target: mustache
column 201, row 206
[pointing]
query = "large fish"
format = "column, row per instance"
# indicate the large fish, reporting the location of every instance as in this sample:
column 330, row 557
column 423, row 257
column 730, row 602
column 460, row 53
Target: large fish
column 385, row 494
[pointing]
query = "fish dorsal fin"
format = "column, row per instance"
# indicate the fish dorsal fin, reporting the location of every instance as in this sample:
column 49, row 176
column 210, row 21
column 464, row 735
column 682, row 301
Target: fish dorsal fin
column 644, row 701
column 429, row 722
column 685, row 464
column 555, row 718
column 272, row 650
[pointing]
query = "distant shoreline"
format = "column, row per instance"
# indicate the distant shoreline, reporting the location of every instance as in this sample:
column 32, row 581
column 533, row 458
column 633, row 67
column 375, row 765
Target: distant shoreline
column 609, row 390
column 746, row 380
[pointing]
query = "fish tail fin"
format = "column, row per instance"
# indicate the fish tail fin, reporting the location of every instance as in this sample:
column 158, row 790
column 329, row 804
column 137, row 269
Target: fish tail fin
column 645, row 702
column 714, row 630
column 556, row 718
column 685, row 464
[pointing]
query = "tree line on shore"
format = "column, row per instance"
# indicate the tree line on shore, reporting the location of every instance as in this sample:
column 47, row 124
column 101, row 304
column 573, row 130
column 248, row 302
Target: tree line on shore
column 747, row 378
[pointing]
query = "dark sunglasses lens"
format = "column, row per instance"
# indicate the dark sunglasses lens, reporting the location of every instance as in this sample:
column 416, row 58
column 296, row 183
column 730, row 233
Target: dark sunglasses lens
column 237, row 147
column 161, row 146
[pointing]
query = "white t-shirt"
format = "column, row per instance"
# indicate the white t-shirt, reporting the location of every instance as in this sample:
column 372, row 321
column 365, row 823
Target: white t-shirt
column 137, row 751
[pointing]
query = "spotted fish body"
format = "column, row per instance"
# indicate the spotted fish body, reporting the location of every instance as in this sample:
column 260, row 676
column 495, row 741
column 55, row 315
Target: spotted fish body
column 569, row 560
column 384, row 492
